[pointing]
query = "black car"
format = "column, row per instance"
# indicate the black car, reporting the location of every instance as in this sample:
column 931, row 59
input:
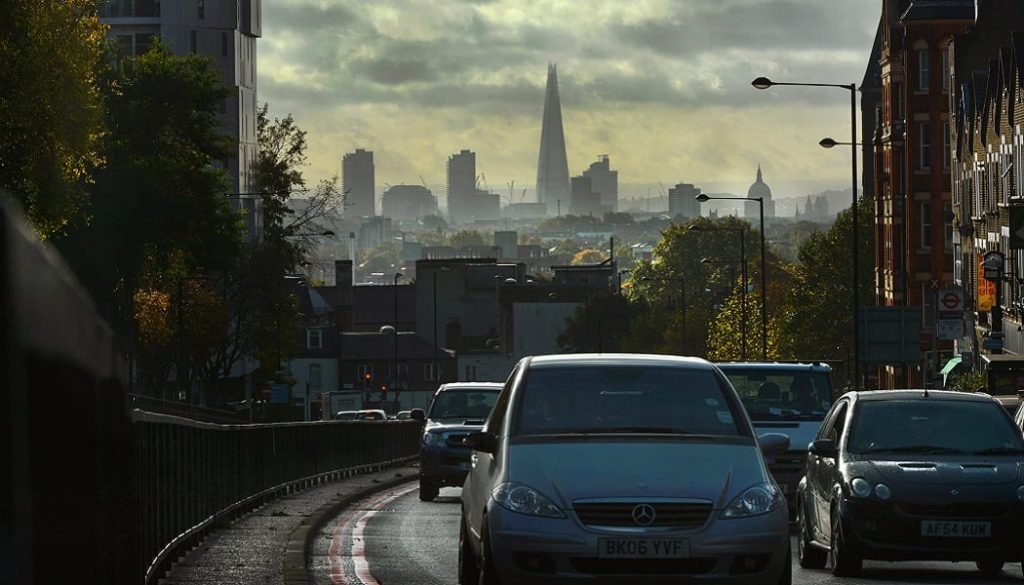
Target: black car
column 913, row 475
column 457, row 410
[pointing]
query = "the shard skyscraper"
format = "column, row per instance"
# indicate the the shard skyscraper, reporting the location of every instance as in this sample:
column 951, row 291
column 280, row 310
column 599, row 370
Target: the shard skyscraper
column 552, row 165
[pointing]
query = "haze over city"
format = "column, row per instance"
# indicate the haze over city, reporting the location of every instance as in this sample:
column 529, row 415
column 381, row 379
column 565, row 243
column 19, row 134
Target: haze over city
column 662, row 87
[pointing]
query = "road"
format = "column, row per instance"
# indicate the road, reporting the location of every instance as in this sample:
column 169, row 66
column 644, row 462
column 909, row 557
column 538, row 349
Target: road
column 396, row 539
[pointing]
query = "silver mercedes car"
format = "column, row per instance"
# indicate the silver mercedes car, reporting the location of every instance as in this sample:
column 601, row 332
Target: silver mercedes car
column 621, row 469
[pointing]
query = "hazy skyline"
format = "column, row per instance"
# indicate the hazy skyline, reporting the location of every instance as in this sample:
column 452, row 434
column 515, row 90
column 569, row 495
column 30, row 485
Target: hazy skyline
column 661, row 86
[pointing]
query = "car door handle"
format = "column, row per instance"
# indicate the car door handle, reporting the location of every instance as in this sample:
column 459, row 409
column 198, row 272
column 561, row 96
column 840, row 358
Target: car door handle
column 473, row 459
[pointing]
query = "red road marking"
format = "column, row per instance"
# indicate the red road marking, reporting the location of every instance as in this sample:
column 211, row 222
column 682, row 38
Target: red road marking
column 356, row 519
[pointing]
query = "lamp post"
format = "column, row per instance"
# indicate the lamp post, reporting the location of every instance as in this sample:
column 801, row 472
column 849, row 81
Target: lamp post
column 743, row 276
column 764, row 267
column 437, row 369
column 682, row 290
column 394, row 378
column 765, row 83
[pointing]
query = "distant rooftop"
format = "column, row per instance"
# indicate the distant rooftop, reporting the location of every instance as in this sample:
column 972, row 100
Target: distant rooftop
column 939, row 10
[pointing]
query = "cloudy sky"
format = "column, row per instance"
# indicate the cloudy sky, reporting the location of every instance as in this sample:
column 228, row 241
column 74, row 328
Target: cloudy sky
column 661, row 86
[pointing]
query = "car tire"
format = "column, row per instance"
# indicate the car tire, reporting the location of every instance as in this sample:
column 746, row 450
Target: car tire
column 990, row 566
column 488, row 576
column 469, row 571
column 787, row 570
column 808, row 555
column 428, row 490
column 845, row 558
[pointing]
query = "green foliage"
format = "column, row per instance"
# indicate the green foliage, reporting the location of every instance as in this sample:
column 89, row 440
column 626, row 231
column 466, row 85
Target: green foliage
column 588, row 256
column 602, row 324
column 158, row 206
column 383, row 258
column 969, row 382
column 51, row 109
column 566, row 223
column 468, row 238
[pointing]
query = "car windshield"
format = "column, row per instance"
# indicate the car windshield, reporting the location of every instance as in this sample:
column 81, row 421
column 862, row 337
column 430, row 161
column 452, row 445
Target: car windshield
column 463, row 405
column 771, row 394
column 933, row 426
column 631, row 399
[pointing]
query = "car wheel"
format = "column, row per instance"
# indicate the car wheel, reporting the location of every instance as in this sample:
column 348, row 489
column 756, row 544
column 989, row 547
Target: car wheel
column 787, row 571
column 469, row 572
column 846, row 561
column 428, row 490
column 990, row 566
column 808, row 555
column 488, row 576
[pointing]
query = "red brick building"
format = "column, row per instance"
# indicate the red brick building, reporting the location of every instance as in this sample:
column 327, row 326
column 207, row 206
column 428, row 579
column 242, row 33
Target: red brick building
column 911, row 167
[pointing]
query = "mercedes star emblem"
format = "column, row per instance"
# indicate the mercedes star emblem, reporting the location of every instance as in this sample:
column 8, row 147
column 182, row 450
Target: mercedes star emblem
column 643, row 514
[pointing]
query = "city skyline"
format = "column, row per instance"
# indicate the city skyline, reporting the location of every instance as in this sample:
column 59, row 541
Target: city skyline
column 416, row 88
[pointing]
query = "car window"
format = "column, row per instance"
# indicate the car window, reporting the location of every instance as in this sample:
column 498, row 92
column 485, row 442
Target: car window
column 609, row 398
column 932, row 425
column 832, row 430
column 497, row 418
column 771, row 393
column 463, row 404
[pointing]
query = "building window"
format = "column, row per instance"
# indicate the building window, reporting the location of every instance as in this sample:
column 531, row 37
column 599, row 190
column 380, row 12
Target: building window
column 947, row 222
column 201, row 9
column 923, row 70
column 315, row 378
column 192, row 41
column 946, row 73
column 899, row 101
column 429, row 372
column 925, row 210
column 925, row 162
column 947, row 149
column 314, row 339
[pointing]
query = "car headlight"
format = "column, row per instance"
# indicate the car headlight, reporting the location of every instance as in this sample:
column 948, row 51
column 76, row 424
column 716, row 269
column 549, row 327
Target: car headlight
column 754, row 501
column 433, row 439
column 523, row 499
column 860, row 487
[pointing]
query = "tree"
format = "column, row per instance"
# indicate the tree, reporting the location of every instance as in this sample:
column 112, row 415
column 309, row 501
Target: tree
column 467, row 238
column 602, row 324
column 51, row 108
column 588, row 256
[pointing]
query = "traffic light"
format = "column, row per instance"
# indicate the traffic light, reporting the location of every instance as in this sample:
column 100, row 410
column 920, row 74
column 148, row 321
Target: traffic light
column 383, row 392
column 367, row 377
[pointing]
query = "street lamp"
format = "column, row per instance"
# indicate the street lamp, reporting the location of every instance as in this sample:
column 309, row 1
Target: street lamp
column 394, row 379
column 764, row 267
column 743, row 274
column 765, row 83
column 682, row 289
column 437, row 370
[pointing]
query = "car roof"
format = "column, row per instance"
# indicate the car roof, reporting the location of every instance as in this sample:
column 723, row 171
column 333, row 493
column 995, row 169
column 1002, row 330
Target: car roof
column 467, row 386
column 618, row 359
column 909, row 394
column 780, row 366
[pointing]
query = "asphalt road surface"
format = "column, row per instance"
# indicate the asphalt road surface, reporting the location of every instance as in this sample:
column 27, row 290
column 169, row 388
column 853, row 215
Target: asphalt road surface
column 395, row 539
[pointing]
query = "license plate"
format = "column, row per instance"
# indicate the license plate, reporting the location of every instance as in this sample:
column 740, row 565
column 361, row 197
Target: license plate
column 950, row 529
column 643, row 548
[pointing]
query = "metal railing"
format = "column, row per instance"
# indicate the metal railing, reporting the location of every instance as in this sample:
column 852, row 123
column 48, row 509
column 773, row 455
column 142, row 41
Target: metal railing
column 186, row 410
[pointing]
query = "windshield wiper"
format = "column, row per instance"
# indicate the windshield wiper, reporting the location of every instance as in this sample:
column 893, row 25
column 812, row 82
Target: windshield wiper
column 999, row 451
column 928, row 449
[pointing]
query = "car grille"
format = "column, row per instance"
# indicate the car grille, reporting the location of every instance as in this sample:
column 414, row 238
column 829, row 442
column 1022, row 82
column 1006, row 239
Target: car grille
column 455, row 439
column 675, row 515
column 591, row 566
column 959, row 510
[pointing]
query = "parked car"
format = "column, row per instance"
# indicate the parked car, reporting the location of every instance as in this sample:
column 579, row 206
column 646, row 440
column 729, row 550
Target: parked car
column 913, row 475
column 403, row 415
column 787, row 398
column 346, row 415
column 371, row 414
column 621, row 469
column 456, row 410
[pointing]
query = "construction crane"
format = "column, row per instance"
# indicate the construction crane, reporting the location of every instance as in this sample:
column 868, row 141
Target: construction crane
column 484, row 177
column 422, row 180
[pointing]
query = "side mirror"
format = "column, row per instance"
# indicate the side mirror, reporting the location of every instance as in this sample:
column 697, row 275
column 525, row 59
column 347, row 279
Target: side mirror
column 773, row 444
column 823, row 448
column 485, row 442
column 417, row 414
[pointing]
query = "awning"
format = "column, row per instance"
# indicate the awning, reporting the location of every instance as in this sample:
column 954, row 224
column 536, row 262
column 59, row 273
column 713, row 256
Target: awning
column 948, row 369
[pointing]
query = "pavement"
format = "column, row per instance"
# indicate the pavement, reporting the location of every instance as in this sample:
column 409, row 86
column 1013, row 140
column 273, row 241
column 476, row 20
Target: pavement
column 268, row 545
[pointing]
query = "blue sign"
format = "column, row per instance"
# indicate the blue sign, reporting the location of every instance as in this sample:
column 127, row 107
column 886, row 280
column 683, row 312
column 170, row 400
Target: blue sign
column 279, row 393
column 992, row 344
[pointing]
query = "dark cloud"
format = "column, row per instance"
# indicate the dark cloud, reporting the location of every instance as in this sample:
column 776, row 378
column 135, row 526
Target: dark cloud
column 394, row 71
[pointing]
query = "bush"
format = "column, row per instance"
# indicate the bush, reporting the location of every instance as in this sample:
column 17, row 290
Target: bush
column 969, row 382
